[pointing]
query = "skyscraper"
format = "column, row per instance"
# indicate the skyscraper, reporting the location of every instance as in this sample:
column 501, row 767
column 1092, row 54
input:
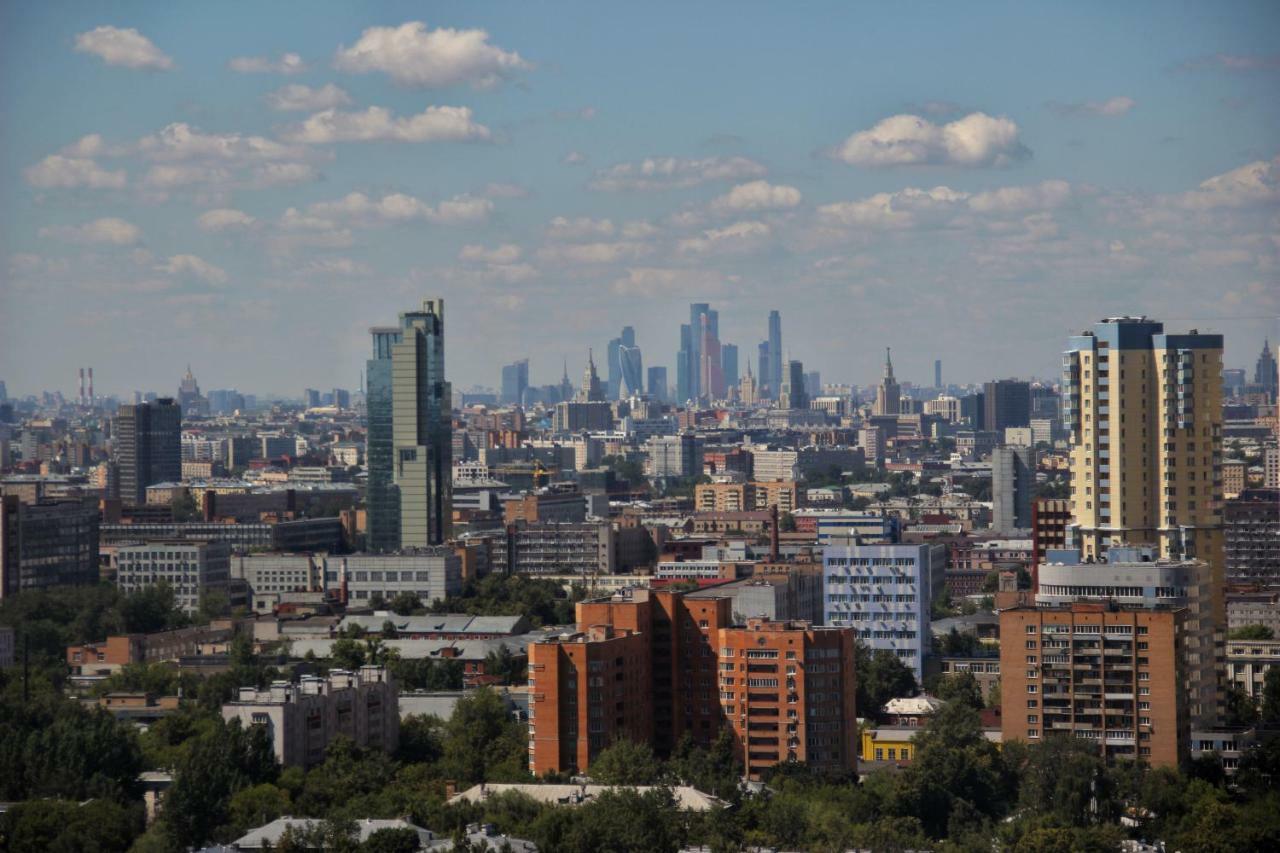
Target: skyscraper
column 1264, row 371
column 764, row 366
column 1013, row 481
column 794, row 395
column 729, row 365
column 710, row 372
column 631, row 361
column 685, row 365
column 697, row 311
column 775, row 354
column 1144, row 413
column 657, row 383
column 381, row 498
column 148, row 441
column 591, row 390
column 421, row 413
column 937, row 373
column 515, row 381
column 1007, row 403
column 887, row 392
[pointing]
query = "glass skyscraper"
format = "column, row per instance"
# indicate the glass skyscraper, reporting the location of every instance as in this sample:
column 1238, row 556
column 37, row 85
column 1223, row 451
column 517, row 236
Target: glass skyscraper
column 382, row 500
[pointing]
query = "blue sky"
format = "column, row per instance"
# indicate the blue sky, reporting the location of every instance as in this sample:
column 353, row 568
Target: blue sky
column 967, row 182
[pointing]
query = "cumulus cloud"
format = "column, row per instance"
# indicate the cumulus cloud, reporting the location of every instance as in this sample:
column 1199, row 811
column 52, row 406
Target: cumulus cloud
column 914, row 207
column 181, row 141
column 501, row 190
column 109, row 230
column 1117, row 106
column 582, row 227
column 359, row 208
column 603, row 252
column 662, row 282
column 416, row 56
column 66, row 172
column 288, row 63
column 434, row 124
column 173, row 176
column 193, row 266
column 732, row 239
column 909, row 140
column 1252, row 184
column 574, row 158
column 336, row 268
column 507, row 253
column 656, row 173
column 757, row 195
column 224, row 219
column 126, row 48
column 281, row 174
column 299, row 98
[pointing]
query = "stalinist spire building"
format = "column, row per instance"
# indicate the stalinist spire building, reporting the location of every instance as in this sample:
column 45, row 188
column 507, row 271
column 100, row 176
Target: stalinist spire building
column 591, row 391
column 887, row 392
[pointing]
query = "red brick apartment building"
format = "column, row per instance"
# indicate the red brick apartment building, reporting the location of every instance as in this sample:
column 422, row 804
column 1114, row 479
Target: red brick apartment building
column 1098, row 672
column 653, row 666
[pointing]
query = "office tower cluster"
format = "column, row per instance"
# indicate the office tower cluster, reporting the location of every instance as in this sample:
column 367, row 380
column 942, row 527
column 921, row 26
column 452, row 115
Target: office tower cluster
column 410, row 433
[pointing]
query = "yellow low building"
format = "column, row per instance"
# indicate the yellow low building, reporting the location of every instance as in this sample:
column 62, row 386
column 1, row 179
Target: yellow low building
column 888, row 744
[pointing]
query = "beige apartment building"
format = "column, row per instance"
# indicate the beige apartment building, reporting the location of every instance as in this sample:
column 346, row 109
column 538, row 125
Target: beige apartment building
column 1144, row 412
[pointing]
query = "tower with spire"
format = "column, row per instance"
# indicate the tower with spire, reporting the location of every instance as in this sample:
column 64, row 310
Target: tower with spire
column 1264, row 372
column 566, row 387
column 590, row 392
column 887, row 392
column 747, row 392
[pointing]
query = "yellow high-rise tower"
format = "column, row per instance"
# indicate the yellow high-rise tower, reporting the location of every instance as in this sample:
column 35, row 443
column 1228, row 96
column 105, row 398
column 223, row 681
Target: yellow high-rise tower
column 1144, row 411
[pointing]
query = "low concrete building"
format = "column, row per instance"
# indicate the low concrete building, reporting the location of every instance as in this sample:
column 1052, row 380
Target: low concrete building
column 301, row 719
column 192, row 569
column 1248, row 662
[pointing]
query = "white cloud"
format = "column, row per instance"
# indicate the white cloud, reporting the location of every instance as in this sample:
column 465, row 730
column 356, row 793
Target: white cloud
column 336, row 267
column 757, row 195
column 501, row 190
column 507, row 253
column 296, row 97
column 108, row 230
column 288, row 63
column 398, row 207
column 181, row 141
column 732, row 239
column 127, row 48
column 655, row 173
column 280, row 174
column 224, row 219
column 59, row 171
column 563, row 228
column 1251, row 184
column 574, row 158
column 415, row 56
column 194, row 266
column 1041, row 196
column 665, row 282
column 907, row 140
column 434, row 124
column 1233, row 62
column 1117, row 106
column 170, row 176
column 593, row 253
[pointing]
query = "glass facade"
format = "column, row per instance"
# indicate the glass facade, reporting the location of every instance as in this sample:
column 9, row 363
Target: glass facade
column 383, row 500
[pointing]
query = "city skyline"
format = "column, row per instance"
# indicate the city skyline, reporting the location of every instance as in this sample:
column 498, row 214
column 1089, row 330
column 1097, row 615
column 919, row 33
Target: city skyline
column 233, row 195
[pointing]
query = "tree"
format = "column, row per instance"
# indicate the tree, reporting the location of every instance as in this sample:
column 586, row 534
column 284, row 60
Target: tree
column 1253, row 632
column 881, row 676
column 184, row 508
column 407, row 604
column 62, row 826
column 1064, row 777
column 421, row 739
column 787, row 523
column 1241, row 710
column 483, row 742
column 626, row 763
column 961, row 687
column 403, row 840
column 1271, row 696
column 256, row 805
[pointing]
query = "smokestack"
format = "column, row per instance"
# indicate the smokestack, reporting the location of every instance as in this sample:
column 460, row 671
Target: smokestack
column 773, row 534
column 82, row 386
column 90, row 386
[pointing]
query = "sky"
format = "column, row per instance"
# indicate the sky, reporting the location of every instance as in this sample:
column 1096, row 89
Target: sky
column 248, row 187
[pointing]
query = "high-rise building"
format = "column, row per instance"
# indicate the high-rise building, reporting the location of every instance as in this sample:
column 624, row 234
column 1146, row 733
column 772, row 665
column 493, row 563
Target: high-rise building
column 937, row 373
column 697, row 311
column 813, row 384
column 1109, row 675
column 46, row 544
column 515, row 381
column 676, row 665
column 748, row 393
column 729, row 365
column 1144, row 413
column 310, row 398
column 1264, row 371
column 711, row 375
column 764, row 369
column 591, row 390
column 382, row 499
column 190, row 400
column 631, row 365
column 148, row 444
column 685, row 365
column 775, row 354
column 1013, row 483
column 657, row 384
column 1007, row 403
column 1252, row 537
column 884, row 592
column 794, row 395
column 887, row 392
column 421, row 427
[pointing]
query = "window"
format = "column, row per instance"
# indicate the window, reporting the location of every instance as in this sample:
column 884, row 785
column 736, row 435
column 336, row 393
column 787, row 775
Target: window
column 1031, row 688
